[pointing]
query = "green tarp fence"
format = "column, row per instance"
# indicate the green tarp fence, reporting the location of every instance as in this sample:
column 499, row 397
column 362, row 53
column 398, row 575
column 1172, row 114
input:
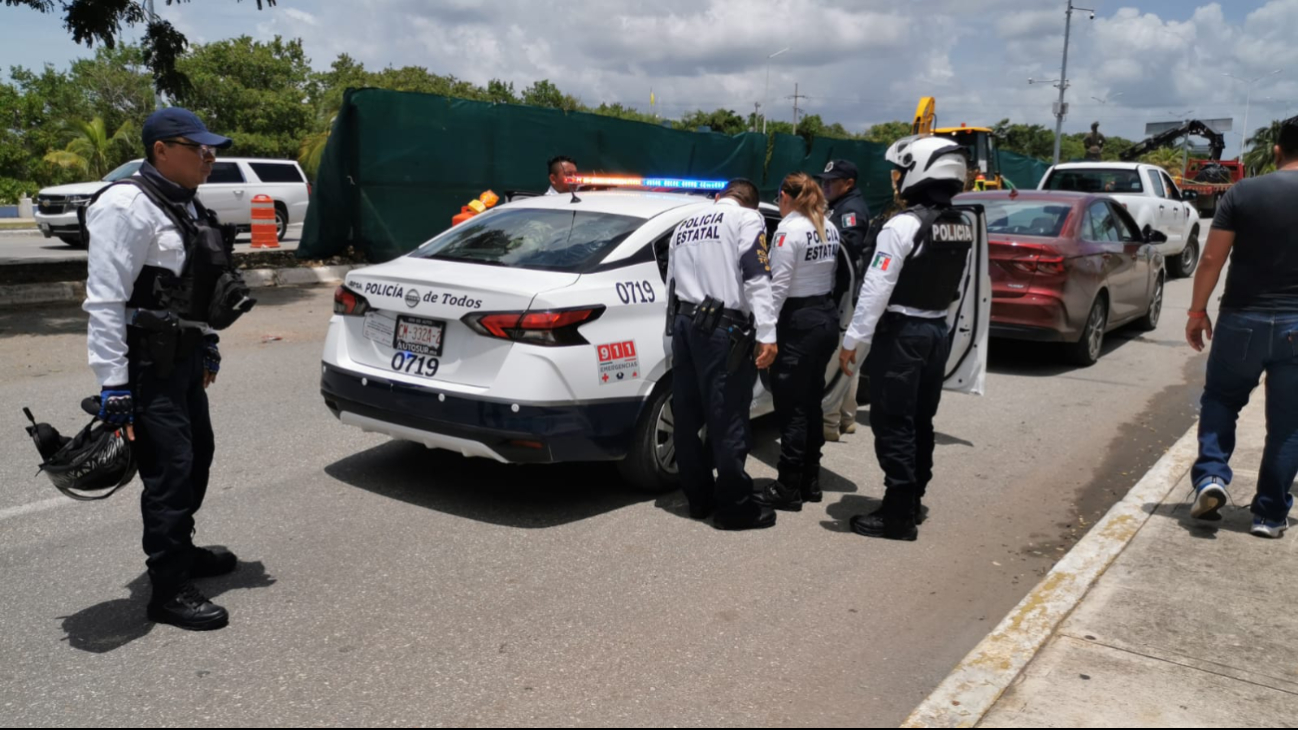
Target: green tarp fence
column 399, row 165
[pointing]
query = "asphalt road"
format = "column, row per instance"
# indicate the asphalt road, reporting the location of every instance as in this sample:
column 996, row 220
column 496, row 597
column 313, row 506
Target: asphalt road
column 383, row 583
column 31, row 247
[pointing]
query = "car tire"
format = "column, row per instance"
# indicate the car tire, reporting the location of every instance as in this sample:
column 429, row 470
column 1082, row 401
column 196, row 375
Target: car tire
column 1149, row 322
column 1188, row 260
column 72, row 240
column 1086, row 351
column 281, row 223
column 650, row 463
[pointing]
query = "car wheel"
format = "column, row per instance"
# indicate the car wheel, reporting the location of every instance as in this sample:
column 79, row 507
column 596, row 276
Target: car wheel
column 1185, row 263
column 650, row 463
column 1149, row 322
column 281, row 223
column 1086, row 351
column 72, row 240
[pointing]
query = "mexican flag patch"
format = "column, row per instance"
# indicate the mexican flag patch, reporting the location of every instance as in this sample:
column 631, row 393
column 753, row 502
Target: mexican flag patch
column 849, row 220
column 779, row 240
column 881, row 262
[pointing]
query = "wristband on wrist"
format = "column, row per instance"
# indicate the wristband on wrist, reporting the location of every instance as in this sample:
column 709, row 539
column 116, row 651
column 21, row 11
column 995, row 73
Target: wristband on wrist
column 1198, row 314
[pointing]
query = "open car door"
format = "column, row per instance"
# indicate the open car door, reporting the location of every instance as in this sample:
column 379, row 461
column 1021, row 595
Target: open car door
column 970, row 316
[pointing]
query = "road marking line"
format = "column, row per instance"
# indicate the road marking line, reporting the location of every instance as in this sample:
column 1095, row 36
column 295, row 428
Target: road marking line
column 34, row 507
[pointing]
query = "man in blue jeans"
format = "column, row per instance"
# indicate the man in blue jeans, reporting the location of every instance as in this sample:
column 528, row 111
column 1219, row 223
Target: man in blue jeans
column 1257, row 227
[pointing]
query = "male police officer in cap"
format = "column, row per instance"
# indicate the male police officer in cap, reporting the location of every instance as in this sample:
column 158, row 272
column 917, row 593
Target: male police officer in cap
column 719, row 272
column 151, row 281
column 851, row 216
column 901, row 318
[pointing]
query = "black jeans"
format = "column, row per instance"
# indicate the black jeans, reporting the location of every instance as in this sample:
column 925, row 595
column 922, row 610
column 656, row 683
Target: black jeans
column 906, row 364
column 808, row 337
column 703, row 393
column 174, row 448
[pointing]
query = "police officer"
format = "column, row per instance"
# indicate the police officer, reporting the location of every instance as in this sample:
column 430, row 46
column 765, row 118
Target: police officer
column 850, row 214
column 804, row 260
column 155, row 274
column 719, row 277
column 909, row 285
column 561, row 168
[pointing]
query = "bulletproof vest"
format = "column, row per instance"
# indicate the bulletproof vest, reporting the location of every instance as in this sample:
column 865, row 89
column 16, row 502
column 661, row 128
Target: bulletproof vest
column 209, row 288
column 930, row 280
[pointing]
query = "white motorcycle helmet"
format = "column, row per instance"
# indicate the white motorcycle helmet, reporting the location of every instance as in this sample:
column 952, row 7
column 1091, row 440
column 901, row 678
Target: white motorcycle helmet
column 923, row 162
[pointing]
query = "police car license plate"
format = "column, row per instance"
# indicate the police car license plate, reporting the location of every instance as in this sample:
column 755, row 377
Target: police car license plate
column 418, row 335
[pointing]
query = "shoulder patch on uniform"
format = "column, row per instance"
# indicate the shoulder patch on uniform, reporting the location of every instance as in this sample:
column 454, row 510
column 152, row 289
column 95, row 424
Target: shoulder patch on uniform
column 849, row 220
column 881, row 262
column 779, row 239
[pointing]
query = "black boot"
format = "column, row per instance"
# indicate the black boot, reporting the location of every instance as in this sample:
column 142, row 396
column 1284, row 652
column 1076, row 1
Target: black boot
column 765, row 518
column 810, row 486
column 782, row 495
column 209, row 563
column 183, row 606
column 876, row 525
column 921, row 512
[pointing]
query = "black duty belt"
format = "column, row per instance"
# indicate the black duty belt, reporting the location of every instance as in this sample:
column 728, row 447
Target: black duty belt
column 793, row 304
column 687, row 309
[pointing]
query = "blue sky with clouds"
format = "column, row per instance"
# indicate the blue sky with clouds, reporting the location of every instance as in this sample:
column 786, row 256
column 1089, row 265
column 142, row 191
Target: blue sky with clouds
column 859, row 61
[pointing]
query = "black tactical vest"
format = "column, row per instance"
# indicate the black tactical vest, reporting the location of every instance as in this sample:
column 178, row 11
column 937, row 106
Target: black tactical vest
column 930, row 280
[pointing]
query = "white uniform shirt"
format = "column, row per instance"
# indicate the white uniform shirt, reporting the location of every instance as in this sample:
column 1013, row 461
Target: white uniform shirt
column 552, row 191
column 896, row 243
column 127, row 233
column 801, row 264
column 722, row 253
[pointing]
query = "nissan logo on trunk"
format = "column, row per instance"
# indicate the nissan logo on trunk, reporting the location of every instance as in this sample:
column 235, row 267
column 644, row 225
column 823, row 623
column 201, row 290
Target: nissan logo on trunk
column 412, row 298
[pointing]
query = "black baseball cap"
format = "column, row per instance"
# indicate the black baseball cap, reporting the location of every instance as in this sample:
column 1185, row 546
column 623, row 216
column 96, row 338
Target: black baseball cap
column 839, row 170
column 174, row 122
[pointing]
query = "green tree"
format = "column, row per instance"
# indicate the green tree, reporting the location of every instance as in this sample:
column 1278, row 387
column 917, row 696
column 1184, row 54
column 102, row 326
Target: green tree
column 91, row 150
column 725, row 121
column 1168, row 158
column 625, row 112
column 500, row 92
column 543, row 93
column 1260, row 157
column 254, row 92
column 887, row 132
column 102, row 21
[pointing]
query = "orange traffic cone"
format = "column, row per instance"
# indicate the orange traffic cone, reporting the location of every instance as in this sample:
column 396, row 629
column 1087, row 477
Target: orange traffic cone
column 264, row 230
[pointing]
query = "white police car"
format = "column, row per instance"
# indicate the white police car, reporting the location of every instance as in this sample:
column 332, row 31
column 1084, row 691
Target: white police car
column 534, row 333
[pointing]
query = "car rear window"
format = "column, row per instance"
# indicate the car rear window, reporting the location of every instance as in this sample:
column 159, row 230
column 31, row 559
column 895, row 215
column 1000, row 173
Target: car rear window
column 1095, row 181
column 1026, row 217
column 277, row 172
column 551, row 240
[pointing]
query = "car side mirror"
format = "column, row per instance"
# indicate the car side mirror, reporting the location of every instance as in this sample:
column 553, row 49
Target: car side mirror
column 1153, row 236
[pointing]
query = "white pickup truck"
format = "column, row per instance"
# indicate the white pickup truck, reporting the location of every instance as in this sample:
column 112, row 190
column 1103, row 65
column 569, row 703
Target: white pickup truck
column 1148, row 193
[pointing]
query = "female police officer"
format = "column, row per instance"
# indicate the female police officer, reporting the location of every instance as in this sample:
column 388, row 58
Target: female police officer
column 804, row 258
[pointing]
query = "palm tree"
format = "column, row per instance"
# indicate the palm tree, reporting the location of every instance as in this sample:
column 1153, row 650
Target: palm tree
column 1260, row 159
column 1168, row 158
column 313, row 145
column 91, row 150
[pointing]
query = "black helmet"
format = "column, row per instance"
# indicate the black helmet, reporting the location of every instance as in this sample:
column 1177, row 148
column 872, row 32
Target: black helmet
column 92, row 465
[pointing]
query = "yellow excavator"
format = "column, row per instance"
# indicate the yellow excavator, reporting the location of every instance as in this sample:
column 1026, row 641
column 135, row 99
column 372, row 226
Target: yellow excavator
column 984, row 170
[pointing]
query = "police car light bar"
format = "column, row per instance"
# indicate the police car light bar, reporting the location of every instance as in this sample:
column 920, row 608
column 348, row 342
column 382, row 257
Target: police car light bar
column 647, row 182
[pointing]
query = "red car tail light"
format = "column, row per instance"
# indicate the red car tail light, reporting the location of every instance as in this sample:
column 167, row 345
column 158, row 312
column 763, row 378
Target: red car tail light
column 349, row 303
column 555, row 328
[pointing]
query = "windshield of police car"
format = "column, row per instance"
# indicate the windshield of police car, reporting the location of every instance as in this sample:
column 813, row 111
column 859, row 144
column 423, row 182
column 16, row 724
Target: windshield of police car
column 124, row 171
column 1095, row 181
column 1025, row 217
column 527, row 238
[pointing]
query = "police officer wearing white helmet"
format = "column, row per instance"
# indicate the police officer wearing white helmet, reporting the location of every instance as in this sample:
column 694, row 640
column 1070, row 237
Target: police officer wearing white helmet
column 804, row 261
column 719, row 280
column 901, row 322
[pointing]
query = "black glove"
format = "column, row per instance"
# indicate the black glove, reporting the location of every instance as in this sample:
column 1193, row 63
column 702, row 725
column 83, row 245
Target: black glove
column 116, row 405
column 211, row 355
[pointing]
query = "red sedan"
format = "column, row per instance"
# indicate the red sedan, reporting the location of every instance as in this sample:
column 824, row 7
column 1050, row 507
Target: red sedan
column 1069, row 267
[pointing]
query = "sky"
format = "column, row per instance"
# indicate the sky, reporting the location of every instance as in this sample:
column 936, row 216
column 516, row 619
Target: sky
column 858, row 62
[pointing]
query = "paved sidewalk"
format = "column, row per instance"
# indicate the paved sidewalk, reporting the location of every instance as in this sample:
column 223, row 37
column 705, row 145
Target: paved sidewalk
column 1195, row 624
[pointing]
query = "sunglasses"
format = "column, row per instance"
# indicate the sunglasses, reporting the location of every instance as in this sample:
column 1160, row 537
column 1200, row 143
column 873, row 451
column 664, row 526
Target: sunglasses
column 203, row 149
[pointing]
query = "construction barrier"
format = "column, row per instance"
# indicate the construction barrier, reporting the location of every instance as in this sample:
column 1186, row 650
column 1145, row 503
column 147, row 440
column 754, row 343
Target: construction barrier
column 265, row 232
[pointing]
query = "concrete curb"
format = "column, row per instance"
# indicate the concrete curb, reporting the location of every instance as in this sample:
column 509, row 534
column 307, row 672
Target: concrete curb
column 66, row 292
column 977, row 682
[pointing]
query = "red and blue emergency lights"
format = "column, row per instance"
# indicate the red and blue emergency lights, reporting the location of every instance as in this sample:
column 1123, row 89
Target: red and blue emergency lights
column 671, row 183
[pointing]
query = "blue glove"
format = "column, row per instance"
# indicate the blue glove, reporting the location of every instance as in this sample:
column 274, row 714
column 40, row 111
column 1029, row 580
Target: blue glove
column 116, row 406
column 211, row 356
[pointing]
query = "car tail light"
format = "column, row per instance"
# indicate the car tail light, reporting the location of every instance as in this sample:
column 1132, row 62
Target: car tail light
column 349, row 303
column 555, row 328
column 1039, row 264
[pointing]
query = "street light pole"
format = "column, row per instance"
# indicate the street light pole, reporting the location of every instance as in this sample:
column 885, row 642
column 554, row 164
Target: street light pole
column 766, row 95
column 1063, row 74
column 1248, row 100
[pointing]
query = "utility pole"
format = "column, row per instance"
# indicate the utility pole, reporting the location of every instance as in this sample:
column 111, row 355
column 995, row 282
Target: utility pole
column 757, row 109
column 795, row 98
column 1062, row 108
column 766, row 95
column 1243, row 139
